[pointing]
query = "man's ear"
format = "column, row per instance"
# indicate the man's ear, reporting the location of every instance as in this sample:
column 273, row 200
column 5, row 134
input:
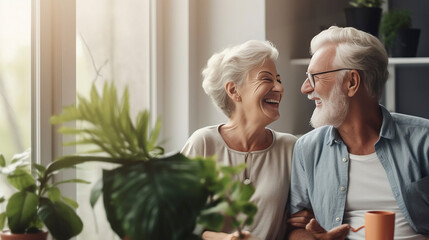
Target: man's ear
column 232, row 91
column 353, row 83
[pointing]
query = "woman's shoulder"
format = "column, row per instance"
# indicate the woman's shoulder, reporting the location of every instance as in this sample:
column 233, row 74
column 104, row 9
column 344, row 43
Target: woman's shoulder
column 203, row 142
column 284, row 137
column 208, row 132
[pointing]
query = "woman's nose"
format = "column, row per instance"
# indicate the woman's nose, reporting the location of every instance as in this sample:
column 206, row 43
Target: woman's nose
column 306, row 87
column 278, row 87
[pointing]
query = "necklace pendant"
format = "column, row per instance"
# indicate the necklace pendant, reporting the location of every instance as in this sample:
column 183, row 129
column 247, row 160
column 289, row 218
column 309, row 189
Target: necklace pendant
column 247, row 181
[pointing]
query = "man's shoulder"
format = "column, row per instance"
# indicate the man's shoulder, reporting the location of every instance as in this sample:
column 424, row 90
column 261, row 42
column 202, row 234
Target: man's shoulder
column 316, row 136
column 404, row 120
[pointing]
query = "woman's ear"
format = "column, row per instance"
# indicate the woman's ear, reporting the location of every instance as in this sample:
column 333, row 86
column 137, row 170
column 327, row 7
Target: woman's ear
column 232, row 91
column 353, row 83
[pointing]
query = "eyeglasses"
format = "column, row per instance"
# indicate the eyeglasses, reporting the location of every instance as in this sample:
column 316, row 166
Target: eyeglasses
column 310, row 76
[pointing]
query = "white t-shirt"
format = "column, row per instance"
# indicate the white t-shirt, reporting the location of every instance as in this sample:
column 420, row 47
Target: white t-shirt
column 268, row 171
column 369, row 190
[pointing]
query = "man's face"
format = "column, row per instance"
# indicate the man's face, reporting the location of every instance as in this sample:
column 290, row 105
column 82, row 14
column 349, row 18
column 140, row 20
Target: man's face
column 331, row 101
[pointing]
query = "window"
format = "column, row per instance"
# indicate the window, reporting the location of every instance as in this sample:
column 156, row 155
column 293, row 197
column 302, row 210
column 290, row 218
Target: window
column 112, row 44
column 15, row 76
column 15, row 81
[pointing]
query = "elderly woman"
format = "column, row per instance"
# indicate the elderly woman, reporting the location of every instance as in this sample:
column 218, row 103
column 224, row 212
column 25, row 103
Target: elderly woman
column 243, row 82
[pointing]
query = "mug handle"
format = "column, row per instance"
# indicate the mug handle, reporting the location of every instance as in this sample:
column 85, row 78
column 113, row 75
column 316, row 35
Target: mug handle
column 357, row 229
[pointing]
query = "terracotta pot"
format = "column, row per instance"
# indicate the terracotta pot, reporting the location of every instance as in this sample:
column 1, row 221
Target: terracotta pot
column 7, row 235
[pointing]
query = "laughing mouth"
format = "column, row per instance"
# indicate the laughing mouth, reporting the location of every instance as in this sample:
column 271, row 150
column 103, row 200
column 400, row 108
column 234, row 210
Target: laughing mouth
column 318, row 102
column 272, row 101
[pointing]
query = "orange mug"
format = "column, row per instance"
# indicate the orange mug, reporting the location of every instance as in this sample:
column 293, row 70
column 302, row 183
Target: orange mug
column 379, row 225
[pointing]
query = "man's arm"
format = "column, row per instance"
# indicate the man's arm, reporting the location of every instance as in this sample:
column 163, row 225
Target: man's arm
column 314, row 231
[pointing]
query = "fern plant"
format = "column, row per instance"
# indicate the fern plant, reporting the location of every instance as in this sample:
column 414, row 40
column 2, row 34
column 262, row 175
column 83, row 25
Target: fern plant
column 149, row 195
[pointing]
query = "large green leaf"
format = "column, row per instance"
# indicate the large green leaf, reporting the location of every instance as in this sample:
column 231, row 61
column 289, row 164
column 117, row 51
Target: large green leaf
column 21, row 208
column 156, row 199
column 20, row 179
column 60, row 219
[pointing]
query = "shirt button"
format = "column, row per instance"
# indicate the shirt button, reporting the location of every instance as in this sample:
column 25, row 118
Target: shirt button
column 344, row 159
column 337, row 219
column 342, row 188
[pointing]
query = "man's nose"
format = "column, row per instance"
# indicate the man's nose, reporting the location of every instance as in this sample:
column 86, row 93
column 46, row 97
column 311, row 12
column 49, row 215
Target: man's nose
column 306, row 87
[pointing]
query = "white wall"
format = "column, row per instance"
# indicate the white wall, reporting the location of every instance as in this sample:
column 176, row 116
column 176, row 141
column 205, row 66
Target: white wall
column 192, row 31
column 220, row 24
column 290, row 25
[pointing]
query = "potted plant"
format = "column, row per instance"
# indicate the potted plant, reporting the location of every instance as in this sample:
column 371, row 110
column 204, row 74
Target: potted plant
column 150, row 195
column 364, row 15
column 399, row 38
column 36, row 203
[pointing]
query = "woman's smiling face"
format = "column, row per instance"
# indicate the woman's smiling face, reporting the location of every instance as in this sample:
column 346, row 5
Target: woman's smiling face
column 261, row 93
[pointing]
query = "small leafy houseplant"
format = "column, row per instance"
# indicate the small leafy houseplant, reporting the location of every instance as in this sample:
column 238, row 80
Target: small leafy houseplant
column 150, row 195
column 390, row 24
column 400, row 39
column 37, row 203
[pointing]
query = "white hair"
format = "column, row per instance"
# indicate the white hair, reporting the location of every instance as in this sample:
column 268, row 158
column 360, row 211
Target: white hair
column 233, row 65
column 358, row 50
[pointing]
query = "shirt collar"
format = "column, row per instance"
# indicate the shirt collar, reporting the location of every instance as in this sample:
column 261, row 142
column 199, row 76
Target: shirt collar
column 387, row 129
column 333, row 136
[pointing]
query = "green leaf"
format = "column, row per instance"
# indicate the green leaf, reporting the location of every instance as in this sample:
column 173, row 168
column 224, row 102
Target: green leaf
column 73, row 160
column 139, row 197
column 212, row 221
column 75, row 180
column 2, row 220
column 39, row 168
column 2, row 160
column 21, row 208
column 72, row 203
column 21, row 179
column 219, row 208
column 54, row 194
column 96, row 192
column 60, row 219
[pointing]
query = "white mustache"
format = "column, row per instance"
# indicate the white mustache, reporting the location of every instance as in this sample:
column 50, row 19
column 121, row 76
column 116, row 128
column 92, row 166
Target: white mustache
column 313, row 95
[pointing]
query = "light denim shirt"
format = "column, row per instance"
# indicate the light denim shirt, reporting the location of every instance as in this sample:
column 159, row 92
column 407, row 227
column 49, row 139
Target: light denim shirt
column 320, row 170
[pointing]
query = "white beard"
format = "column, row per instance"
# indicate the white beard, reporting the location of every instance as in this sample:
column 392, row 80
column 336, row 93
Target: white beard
column 333, row 111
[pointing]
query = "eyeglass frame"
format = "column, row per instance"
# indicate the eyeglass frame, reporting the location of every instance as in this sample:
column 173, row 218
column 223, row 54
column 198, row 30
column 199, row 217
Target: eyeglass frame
column 310, row 76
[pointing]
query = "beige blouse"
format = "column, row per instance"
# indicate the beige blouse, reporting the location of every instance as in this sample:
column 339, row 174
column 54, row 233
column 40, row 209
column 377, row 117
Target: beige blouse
column 268, row 171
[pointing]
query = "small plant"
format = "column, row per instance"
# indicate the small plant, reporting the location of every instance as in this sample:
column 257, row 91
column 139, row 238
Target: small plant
column 149, row 195
column 366, row 3
column 37, row 203
column 391, row 22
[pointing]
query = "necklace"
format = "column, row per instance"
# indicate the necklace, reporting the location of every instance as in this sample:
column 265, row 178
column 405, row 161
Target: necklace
column 247, row 180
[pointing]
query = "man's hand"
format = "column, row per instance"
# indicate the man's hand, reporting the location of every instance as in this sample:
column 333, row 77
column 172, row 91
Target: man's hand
column 301, row 218
column 338, row 233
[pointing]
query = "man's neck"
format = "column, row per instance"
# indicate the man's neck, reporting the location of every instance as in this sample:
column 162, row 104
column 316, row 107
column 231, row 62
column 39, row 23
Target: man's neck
column 361, row 129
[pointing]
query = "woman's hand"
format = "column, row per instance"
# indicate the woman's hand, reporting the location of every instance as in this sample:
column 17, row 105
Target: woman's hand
column 300, row 219
column 207, row 235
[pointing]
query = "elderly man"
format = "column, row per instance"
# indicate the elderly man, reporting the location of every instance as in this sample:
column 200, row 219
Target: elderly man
column 360, row 157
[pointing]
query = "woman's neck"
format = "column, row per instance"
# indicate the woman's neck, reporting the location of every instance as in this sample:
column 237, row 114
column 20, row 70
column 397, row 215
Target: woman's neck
column 246, row 137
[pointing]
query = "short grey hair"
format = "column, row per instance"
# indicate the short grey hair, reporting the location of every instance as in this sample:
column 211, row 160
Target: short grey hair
column 359, row 50
column 233, row 65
